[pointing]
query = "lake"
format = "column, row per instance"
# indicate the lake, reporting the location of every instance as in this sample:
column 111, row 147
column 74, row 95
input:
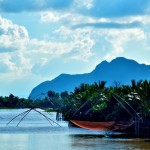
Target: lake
column 36, row 133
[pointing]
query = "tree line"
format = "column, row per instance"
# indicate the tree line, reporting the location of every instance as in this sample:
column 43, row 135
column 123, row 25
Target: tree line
column 92, row 102
column 100, row 103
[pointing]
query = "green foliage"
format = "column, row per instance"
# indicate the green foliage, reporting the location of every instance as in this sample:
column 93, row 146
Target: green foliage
column 93, row 102
column 14, row 102
column 100, row 107
column 116, row 102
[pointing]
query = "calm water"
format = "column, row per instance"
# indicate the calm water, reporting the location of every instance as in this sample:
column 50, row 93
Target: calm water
column 35, row 133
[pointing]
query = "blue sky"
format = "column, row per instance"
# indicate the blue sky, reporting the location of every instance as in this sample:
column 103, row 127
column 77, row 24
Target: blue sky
column 41, row 39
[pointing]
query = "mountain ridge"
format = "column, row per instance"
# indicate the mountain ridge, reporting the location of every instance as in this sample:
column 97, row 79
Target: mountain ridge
column 120, row 69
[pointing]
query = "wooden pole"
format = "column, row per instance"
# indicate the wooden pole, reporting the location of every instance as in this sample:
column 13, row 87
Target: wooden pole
column 137, row 127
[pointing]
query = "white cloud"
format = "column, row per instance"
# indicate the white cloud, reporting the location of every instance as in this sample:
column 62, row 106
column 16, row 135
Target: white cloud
column 12, row 37
column 81, row 42
column 73, row 44
column 67, row 18
column 27, row 52
column 116, row 38
column 6, row 60
column 77, row 45
column 88, row 4
column 119, row 38
column 21, row 55
column 50, row 17
column 73, row 19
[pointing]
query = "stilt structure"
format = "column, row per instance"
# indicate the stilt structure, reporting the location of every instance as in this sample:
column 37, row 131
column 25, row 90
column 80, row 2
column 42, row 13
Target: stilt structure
column 137, row 117
column 25, row 113
column 58, row 115
column 134, row 122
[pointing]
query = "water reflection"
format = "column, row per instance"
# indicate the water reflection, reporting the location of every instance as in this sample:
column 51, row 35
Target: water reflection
column 67, row 142
column 96, row 142
column 36, row 133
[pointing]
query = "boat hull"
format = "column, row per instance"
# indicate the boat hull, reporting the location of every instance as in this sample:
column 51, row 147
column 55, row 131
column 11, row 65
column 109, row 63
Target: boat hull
column 103, row 126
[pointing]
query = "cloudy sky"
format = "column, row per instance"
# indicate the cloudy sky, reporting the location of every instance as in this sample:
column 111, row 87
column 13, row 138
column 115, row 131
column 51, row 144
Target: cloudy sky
column 40, row 39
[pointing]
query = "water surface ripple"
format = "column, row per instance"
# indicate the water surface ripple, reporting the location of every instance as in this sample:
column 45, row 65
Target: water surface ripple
column 35, row 133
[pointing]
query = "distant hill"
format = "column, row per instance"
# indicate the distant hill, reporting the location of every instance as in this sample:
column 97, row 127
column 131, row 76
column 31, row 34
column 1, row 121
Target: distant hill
column 120, row 69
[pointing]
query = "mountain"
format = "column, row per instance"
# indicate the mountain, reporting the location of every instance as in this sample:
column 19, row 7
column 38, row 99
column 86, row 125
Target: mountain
column 120, row 69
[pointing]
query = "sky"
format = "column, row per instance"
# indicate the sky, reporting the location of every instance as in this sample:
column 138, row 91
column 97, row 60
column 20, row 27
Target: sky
column 41, row 39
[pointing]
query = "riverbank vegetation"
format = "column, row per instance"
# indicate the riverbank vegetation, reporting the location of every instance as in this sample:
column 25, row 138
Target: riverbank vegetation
column 93, row 102
column 14, row 102
column 100, row 103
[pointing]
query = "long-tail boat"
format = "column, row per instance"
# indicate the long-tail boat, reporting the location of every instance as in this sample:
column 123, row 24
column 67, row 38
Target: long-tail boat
column 107, row 126
column 104, row 126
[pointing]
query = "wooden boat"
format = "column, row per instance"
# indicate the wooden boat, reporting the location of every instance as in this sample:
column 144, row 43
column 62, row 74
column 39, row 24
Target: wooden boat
column 104, row 126
column 111, row 125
